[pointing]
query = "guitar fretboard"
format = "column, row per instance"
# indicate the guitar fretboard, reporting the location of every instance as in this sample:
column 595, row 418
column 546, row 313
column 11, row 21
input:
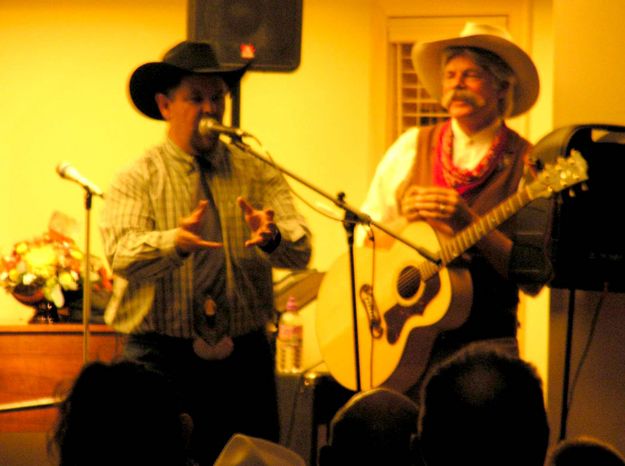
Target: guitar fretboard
column 466, row 238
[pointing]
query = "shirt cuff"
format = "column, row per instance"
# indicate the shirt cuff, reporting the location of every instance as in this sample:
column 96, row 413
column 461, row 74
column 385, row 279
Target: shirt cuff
column 169, row 247
column 273, row 244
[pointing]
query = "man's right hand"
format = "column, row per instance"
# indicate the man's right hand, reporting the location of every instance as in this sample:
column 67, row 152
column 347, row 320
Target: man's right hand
column 436, row 204
column 188, row 239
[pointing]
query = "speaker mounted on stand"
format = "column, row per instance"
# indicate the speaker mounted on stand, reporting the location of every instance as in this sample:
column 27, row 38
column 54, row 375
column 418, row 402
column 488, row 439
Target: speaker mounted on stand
column 588, row 250
column 587, row 247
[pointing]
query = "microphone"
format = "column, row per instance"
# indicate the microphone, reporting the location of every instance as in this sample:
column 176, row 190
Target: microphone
column 67, row 171
column 210, row 125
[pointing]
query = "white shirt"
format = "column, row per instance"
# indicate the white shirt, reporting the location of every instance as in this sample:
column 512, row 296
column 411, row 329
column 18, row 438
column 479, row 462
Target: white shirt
column 380, row 202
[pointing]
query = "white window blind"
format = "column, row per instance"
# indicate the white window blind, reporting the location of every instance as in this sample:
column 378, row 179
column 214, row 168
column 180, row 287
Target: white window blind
column 414, row 106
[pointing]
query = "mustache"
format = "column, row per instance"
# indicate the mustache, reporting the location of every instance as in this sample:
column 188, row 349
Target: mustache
column 463, row 95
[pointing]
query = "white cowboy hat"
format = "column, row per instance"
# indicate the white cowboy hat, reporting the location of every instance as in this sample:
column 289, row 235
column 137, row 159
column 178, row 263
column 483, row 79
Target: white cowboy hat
column 426, row 58
column 243, row 450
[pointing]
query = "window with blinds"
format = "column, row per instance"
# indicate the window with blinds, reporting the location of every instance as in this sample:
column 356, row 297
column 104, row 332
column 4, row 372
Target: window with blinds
column 413, row 105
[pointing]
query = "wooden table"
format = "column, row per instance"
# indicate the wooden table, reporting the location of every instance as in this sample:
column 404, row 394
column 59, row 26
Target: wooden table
column 37, row 360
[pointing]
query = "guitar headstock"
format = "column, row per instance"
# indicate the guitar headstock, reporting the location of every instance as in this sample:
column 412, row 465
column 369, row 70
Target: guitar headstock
column 563, row 173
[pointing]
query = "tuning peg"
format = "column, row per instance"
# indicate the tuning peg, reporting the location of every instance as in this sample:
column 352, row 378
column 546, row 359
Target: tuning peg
column 536, row 163
column 571, row 192
column 584, row 187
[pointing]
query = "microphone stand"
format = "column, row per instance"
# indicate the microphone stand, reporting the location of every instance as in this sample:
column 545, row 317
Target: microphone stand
column 352, row 216
column 86, row 289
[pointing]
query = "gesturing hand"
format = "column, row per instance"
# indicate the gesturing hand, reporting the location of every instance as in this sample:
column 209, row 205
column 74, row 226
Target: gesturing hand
column 262, row 227
column 188, row 237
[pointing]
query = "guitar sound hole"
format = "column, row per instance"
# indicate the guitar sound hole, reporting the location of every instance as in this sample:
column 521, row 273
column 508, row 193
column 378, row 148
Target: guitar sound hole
column 409, row 282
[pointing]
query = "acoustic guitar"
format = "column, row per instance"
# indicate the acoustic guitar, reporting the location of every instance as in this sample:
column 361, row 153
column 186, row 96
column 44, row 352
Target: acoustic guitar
column 403, row 301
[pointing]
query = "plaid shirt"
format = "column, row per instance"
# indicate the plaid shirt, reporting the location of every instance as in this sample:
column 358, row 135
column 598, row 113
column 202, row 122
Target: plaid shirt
column 153, row 286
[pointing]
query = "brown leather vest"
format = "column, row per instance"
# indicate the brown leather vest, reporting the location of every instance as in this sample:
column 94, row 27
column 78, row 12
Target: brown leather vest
column 501, row 184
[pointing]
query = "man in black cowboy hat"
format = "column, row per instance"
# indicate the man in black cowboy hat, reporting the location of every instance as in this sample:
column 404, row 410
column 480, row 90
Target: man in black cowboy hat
column 192, row 230
column 450, row 174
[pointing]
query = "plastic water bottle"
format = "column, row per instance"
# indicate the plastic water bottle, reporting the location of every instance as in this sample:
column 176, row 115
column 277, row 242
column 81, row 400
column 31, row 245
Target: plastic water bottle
column 290, row 340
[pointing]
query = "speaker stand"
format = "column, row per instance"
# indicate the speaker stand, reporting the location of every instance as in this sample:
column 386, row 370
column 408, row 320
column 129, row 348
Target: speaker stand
column 564, row 412
column 235, row 97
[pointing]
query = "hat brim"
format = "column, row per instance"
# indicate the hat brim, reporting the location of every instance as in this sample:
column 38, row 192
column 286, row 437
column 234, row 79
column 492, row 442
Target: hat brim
column 246, row 450
column 151, row 78
column 427, row 60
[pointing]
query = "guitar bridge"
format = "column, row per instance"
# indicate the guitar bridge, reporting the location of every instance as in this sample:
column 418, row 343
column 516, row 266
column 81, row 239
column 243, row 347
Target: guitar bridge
column 371, row 309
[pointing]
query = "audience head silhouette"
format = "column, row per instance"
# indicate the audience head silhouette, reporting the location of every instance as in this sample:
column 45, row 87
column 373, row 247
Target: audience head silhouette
column 121, row 413
column 374, row 427
column 483, row 407
column 584, row 451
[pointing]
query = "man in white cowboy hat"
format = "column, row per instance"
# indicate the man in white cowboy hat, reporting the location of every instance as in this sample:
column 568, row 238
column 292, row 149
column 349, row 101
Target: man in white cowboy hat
column 451, row 173
column 192, row 230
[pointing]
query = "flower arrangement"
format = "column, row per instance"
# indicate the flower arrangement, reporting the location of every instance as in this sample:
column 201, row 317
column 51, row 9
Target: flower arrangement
column 49, row 268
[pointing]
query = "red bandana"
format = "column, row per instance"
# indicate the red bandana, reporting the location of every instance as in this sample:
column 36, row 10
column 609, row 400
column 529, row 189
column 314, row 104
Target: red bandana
column 465, row 181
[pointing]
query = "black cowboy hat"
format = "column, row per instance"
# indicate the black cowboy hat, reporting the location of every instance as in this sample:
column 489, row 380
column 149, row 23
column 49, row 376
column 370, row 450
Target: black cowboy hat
column 183, row 59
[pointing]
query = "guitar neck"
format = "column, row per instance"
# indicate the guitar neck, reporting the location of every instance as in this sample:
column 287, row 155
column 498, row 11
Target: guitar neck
column 482, row 226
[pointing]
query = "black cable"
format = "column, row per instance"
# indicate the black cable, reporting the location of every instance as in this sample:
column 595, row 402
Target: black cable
column 586, row 350
column 295, row 193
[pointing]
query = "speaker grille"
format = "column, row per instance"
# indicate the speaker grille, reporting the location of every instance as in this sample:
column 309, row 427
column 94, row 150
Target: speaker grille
column 271, row 28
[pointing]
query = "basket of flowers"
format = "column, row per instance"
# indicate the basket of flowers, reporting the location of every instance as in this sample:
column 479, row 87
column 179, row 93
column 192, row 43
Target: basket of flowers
column 47, row 273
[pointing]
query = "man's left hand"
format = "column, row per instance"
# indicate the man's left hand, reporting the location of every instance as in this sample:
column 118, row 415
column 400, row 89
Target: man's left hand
column 263, row 229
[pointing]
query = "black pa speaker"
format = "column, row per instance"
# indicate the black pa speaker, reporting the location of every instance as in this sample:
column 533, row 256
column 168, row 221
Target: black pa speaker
column 588, row 236
column 267, row 33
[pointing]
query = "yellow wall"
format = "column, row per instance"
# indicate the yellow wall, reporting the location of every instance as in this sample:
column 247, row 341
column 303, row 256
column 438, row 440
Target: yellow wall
column 588, row 75
column 64, row 77
column 589, row 62
column 64, row 71
column 534, row 311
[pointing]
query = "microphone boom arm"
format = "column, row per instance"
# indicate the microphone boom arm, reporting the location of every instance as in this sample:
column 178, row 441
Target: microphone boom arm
column 352, row 213
column 351, row 218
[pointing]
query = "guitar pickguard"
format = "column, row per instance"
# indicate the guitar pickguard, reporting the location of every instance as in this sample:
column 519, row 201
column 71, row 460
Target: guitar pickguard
column 371, row 310
column 397, row 315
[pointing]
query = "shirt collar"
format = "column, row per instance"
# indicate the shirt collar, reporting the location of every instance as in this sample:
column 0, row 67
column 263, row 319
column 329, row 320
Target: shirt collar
column 481, row 137
column 190, row 161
